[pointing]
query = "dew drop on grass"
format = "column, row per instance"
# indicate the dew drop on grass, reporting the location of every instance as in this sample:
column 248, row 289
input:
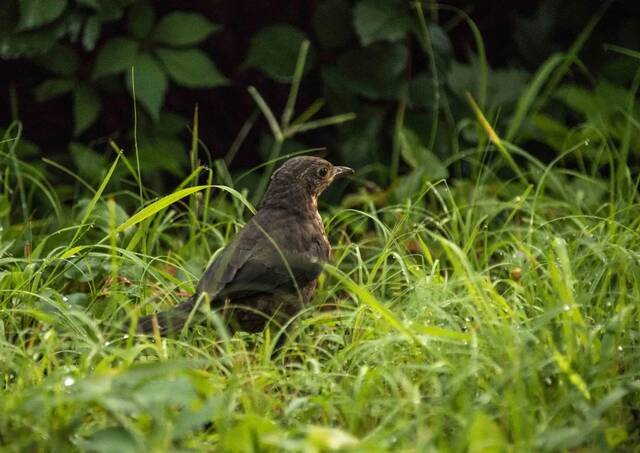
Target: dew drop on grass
column 620, row 348
column 69, row 381
column 548, row 381
column 65, row 298
column 566, row 307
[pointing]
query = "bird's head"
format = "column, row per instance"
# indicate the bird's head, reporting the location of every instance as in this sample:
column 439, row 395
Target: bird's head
column 306, row 176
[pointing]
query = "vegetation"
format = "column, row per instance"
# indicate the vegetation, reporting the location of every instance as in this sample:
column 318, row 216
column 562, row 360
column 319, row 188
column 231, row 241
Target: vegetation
column 484, row 300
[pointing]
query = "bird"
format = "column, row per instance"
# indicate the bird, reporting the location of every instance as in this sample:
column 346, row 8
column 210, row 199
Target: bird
column 268, row 271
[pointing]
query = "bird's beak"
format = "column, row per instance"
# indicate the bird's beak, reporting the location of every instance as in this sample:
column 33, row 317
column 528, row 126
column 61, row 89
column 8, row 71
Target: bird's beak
column 342, row 172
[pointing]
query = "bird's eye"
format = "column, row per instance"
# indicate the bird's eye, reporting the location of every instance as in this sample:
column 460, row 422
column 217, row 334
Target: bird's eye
column 322, row 172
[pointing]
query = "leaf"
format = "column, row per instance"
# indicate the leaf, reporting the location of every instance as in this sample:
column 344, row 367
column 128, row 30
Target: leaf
column 140, row 19
column 90, row 164
column 150, row 84
column 332, row 23
column 52, row 88
column 162, row 153
column 413, row 151
column 60, row 59
column 274, row 51
column 191, row 68
column 183, row 29
column 330, row 439
column 116, row 56
column 380, row 20
column 485, row 435
column 374, row 72
column 86, row 108
column 91, row 32
column 110, row 440
column 34, row 13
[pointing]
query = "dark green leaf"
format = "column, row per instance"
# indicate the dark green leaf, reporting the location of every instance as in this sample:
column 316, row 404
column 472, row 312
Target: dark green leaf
column 60, row 59
column 150, row 84
column 34, row 13
column 332, row 23
column 274, row 50
column 183, row 29
column 421, row 91
column 86, row 108
column 140, row 19
column 90, row 164
column 166, row 154
column 116, row 56
column 381, row 20
column 52, row 88
column 374, row 71
column 91, row 32
column 191, row 68
column 419, row 157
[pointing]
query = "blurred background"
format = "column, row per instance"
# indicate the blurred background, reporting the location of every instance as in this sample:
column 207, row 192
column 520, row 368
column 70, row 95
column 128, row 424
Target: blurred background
column 66, row 77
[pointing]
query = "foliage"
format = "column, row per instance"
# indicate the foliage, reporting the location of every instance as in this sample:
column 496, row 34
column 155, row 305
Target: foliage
column 479, row 297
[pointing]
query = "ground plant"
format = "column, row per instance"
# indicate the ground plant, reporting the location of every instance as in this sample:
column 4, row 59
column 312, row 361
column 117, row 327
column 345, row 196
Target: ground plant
column 483, row 300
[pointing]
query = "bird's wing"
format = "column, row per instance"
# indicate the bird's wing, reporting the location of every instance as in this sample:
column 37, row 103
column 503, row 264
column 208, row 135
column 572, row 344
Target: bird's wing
column 252, row 264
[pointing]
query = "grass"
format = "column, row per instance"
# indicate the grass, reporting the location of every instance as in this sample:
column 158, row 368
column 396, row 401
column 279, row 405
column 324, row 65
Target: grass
column 495, row 313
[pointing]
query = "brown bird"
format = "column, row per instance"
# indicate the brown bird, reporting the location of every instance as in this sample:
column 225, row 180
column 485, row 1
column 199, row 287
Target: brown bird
column 269, row 270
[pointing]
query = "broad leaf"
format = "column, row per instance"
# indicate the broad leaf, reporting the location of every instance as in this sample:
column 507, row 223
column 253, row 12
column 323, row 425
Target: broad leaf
column 332, row 23
column 60, row 59
column 140, row 19
column 90, row 164
column 86, row 108
column 110, row 440
column 191, row 68
column 485, row 435
column 381, row 20
column 52, row 88
column 374, row 72
column 183, row 29
column 274, row 51
column 116, row 56
column 34, row 13
column 150, row 84
column 91, row 32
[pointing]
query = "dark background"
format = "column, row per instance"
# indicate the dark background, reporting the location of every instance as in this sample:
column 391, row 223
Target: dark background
column 518, row 34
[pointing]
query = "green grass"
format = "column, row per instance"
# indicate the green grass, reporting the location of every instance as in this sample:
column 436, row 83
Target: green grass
column 494, row 313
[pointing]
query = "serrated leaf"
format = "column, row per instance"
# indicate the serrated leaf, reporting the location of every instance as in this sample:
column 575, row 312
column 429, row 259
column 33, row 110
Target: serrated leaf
column 150, row 84
column 140, row 19
column 191, row 68
column 116, row 56
column 274, row 51
column 183, row 29
column 52, row 88
column 381, row 20
column 34, row 13
column 86, row 108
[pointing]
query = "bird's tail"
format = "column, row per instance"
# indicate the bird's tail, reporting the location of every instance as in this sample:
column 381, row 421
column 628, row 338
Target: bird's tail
column 170, row 320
